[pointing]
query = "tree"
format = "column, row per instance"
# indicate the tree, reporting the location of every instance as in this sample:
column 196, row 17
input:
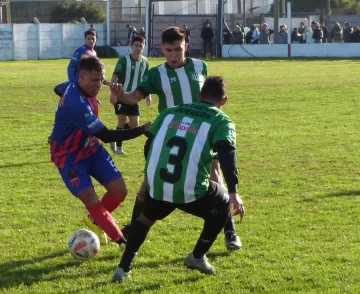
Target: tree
column 65, row 12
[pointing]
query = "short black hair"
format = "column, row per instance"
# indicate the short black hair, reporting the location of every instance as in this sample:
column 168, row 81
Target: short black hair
column 91, row 63
column 214, row 88
column 90, row 32
column 172, row 34
column 138, row 38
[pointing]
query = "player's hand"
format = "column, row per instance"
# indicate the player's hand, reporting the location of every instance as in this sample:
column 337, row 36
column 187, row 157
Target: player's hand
column 98, row 101
column 117, row 90
column 147, row 125
column 148, row 100
column 236, row 205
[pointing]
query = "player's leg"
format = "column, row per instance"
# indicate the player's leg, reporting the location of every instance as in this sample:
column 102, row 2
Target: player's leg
column 137, row 210
column 121, row 122
column 131, row 112
column 133, row 121
column 204, row 48
column 232, row 240
column 153, row 210
column 120, row 125
column 214, row 208
column 104, row 170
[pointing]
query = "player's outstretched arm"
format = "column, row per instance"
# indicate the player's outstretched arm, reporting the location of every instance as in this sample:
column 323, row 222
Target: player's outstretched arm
column 227, row 159
column 108, row 136
column 118, row 94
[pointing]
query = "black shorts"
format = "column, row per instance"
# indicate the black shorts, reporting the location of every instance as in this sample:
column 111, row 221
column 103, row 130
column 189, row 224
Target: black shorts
column 126, row 109
column 214, row 204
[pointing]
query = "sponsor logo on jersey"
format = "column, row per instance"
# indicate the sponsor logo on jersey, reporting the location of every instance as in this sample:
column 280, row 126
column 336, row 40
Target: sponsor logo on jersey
column 133, row 67
column 90, row 117
column 183, row 126
column 94, row 124
column 92, row 120
column 195, row 77
column 173, row 80
column 90, row 141
column 231, row 133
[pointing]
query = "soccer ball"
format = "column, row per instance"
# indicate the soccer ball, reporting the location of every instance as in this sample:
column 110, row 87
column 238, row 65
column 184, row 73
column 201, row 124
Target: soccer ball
column 84, row 244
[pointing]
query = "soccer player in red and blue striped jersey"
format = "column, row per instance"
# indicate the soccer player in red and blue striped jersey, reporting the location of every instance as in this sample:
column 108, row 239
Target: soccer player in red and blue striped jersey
column 73, row 67
column 78, row 154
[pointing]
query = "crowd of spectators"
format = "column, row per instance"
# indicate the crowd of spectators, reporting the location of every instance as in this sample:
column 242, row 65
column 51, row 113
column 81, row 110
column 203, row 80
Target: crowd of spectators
column 315, row 33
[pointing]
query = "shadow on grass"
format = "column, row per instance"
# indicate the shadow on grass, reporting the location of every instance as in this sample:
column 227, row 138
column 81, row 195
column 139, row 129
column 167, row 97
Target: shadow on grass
column 341, row 193
column 23, row 164
column 14, row 274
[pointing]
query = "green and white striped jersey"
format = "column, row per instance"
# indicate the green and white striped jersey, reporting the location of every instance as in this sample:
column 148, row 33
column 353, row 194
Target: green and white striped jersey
column 131, row 72
column 175, row 86
column 179, row 161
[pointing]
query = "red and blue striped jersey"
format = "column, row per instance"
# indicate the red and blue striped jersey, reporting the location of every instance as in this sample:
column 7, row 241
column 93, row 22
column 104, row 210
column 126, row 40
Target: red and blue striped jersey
column 76, row 123
column 73, row 67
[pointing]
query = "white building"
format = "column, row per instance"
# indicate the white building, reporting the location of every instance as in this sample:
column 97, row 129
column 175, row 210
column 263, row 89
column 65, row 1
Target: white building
column 201, row 6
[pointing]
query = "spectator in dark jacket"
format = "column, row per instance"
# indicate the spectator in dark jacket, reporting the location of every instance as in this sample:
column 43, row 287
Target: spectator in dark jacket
column 248, row 35
column 355, row 36
column 317, row 34
column 238, row 36
column 325, row 33
column 301, row 31
column 347, row 33
column 295, row 36
column 207, row 34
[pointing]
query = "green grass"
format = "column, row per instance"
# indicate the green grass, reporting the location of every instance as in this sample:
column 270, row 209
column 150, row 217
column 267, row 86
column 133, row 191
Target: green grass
column 298, row 157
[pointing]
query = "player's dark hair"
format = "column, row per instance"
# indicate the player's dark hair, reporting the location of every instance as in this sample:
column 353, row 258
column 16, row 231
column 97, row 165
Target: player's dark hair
column 138, row 38
column 213, row 88
column 91, row 63
column 172, row 34
column 90, row 32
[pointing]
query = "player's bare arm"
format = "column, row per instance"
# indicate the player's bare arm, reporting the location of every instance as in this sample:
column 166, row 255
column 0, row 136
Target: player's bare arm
column 118, row 94
column 114, row 78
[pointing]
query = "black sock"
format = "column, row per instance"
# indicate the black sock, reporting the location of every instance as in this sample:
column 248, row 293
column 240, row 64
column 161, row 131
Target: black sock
column 119, row 143
column 137, row 210
column 138, row 233
column 212, row 228
column 127, row 126
column 122, row 240
column 229, row 226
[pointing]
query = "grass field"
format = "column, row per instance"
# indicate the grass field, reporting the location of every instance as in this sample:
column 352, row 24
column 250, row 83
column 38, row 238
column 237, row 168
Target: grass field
column 298, row 157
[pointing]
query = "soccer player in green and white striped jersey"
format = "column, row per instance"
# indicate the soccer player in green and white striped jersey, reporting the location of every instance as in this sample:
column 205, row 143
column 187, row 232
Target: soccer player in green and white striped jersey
column 129, row 71
column 177, row 81
column 179, row 154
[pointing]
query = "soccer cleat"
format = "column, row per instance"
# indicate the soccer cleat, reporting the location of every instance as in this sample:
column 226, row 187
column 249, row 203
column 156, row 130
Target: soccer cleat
column 96, row 229
column 113, row 146
column 120, row 276
column 119, row 151
column 200, row 264
column 232, row 241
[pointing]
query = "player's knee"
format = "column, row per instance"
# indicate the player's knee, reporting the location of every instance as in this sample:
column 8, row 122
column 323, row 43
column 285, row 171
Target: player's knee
column 120, row 194
column 141, row 195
